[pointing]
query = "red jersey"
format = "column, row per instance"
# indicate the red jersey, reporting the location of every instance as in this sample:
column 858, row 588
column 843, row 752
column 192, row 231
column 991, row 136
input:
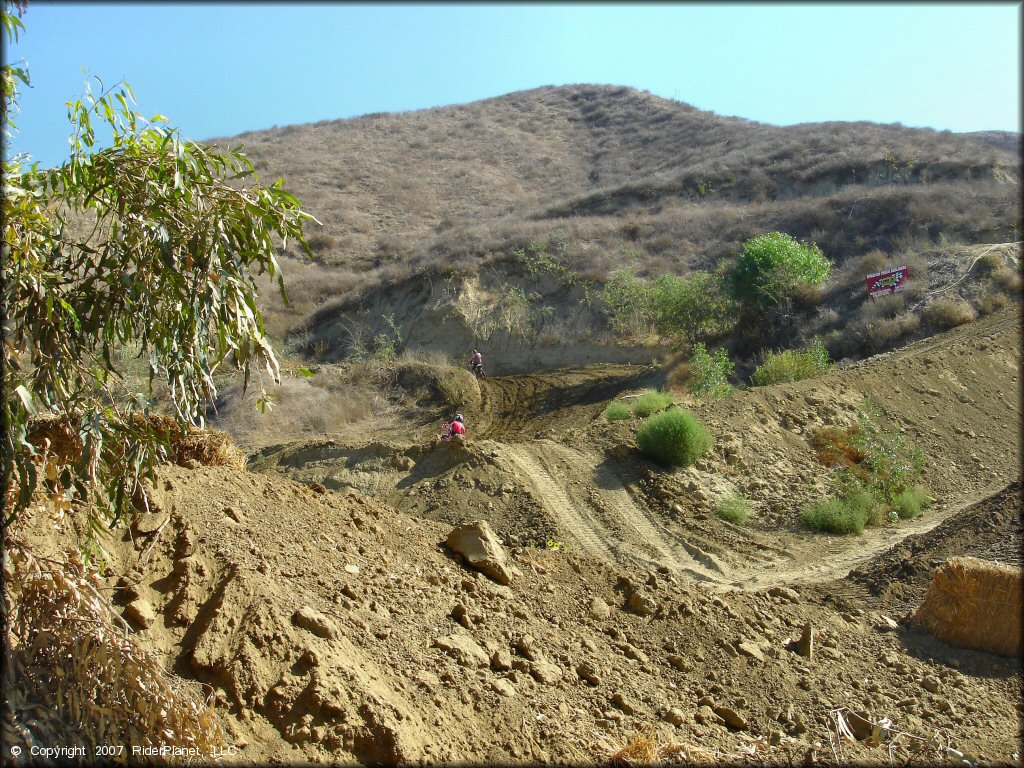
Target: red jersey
column 458, row 428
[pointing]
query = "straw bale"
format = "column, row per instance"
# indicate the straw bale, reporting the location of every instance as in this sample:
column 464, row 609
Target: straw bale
column 973, row 603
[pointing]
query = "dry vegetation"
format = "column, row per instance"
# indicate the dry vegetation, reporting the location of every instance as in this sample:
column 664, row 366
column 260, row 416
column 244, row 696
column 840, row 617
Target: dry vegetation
column 603, row 168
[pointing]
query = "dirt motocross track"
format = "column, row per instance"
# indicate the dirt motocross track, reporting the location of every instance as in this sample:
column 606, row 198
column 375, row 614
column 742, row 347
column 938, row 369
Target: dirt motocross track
column 335, row 625
column 540, row 463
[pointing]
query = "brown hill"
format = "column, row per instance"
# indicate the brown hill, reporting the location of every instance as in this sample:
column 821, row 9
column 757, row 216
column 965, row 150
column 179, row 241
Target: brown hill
column 610, row 175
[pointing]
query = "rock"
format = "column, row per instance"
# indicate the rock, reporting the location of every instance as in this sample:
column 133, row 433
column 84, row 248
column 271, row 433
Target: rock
column 705, row 715
column 674, row 715
column 234, row 514
column 805, row 645
column 598, row 609
column 479, row 547
column 632, row 652
column 680, row 663
column 750, row 649
column 140, row 613
column 352, row 569
column 886, row 624
column 464, row 649
column 461, row 615
column 785, row 593
column 501, row 660
column 641, row 604
column 526, row 646
column 625, row 704
column 312, row 620
column 503, row 687
column 732, row 718
column 545, row 672
column 589, row 673
column 931, row 683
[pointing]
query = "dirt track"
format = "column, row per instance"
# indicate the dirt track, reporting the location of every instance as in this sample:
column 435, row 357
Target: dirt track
column 334, row 627
column 541, row 462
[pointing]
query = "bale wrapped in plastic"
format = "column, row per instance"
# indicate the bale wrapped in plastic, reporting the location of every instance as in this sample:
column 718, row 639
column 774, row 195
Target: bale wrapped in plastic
column 973, row 603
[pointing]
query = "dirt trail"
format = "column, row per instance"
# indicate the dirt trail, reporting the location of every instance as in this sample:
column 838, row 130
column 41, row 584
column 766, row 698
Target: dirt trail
column 541, row 462
column 600, row 515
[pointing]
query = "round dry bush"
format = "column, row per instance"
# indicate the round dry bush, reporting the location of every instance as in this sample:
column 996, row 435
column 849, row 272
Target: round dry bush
column 948, row 313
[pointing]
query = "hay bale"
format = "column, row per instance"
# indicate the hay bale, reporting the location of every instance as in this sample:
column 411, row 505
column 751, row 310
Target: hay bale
column 974, row 603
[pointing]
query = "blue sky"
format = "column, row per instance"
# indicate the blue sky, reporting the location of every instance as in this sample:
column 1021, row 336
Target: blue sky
column 221, row 69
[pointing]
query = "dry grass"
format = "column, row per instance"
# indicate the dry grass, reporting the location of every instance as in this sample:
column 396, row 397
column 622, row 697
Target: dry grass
column 644, row 747
column 948, row 313
column 76, row 677
column 608, row 168
column 834, row 447
column 209, row 447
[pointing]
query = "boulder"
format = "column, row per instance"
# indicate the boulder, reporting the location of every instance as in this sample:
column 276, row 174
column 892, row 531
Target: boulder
column 479, row 547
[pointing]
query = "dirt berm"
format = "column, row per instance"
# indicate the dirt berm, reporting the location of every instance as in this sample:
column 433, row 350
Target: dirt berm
column 335, row 625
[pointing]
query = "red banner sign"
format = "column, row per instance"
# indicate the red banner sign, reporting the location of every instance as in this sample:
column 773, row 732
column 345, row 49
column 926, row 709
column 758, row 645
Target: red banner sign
column 888, row 281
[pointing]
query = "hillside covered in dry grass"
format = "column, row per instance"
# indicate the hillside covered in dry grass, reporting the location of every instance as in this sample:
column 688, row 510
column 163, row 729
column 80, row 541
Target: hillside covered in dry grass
column 605, row 171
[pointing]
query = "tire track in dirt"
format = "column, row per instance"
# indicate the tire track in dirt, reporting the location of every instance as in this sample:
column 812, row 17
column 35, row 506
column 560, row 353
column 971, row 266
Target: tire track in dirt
column 597, row 511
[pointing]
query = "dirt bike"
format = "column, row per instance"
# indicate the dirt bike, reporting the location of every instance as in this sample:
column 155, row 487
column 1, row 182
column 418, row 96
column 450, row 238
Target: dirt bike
column 446, row 435
column 476, row 370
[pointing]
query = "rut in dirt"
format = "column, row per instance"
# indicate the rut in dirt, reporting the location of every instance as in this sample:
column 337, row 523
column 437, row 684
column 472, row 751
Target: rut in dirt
column 579, row 490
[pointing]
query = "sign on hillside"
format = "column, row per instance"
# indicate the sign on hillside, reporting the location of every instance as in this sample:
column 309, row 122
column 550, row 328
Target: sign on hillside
column 888, row 281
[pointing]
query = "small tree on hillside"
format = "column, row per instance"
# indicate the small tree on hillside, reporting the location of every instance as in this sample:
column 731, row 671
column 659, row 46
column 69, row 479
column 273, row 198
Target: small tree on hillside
column 147, row 247
column 772, row 269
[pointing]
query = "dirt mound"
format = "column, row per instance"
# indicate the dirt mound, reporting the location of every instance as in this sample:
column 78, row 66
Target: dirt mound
column 333, row 627
column 541, row 463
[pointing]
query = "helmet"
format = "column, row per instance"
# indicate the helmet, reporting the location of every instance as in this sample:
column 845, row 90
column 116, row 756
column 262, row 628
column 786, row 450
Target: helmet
column 458, row 417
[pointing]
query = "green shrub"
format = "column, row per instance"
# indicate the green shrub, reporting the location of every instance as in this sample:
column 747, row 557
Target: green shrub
column 772, row 267
column 909, row 503
column 709, row 373
column 840, row 515
column 735, row 509
column 627, row 302
column 674, row 437
column 792, row 365
column 691, row 307
column 650, row 403
column 616, row 411
column 892, row 463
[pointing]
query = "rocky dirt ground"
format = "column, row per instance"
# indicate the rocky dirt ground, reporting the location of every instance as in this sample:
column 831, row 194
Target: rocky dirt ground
column 317, row 595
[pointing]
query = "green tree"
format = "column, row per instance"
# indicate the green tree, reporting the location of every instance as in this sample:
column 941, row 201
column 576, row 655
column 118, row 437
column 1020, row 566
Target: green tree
column 627, row 301
column 148, row 246
column 691, row 307
column 772, row 268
